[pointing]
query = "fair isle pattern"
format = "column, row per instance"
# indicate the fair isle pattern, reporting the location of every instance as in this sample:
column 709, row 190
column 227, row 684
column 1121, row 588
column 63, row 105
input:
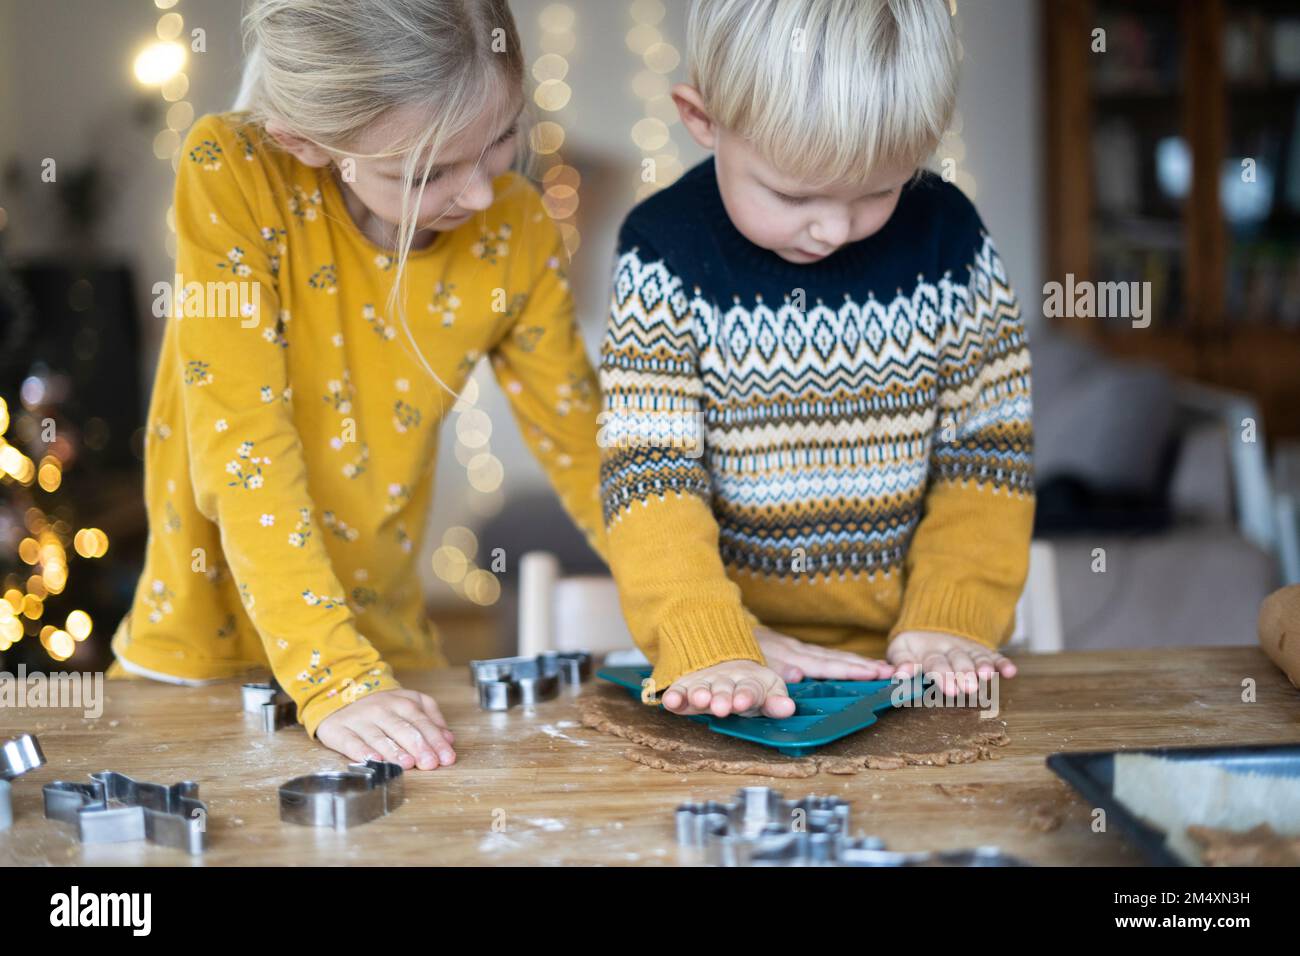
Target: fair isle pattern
column 823, row 427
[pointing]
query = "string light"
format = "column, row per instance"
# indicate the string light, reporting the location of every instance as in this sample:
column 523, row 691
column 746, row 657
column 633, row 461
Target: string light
column 560, row 182
column 454, row 560
column 660, row 156
column 161, row 64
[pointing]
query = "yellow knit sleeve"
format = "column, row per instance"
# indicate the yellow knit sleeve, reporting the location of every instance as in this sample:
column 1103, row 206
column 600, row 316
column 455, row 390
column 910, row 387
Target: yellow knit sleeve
column 968, row 558
column 245, row 453
column 542, row 365
column 682, row 609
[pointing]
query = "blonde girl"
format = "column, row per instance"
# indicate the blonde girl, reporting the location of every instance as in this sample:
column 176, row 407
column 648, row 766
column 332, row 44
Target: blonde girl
column 351, row 242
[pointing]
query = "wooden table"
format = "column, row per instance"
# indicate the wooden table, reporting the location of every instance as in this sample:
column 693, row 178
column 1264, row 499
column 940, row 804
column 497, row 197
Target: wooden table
column 566, row 795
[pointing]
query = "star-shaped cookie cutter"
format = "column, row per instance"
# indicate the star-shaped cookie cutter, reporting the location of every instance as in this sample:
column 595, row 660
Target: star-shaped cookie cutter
column 343, row 798
column 505, row 681
column 761, row 828
column 114, row 808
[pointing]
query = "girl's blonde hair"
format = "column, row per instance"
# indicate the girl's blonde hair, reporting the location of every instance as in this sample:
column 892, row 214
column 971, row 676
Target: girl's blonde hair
column 827, row 91
column 328, row 69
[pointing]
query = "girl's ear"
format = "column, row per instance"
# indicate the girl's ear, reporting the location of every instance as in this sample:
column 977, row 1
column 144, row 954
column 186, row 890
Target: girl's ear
column 304, row 150
column 690, row 107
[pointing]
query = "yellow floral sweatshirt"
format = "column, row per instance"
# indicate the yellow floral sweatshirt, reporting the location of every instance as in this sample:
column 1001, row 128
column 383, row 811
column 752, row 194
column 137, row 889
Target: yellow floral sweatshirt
column 292, row 431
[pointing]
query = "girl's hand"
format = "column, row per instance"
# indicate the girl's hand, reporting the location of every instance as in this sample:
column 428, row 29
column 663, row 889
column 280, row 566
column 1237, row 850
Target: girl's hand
column 955, row 662
column 400, row 726
column 746, row 688
column 795, row 660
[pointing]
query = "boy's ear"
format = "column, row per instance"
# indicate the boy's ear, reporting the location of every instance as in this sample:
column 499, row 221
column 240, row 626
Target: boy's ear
column 690, row 107
column 303, row 150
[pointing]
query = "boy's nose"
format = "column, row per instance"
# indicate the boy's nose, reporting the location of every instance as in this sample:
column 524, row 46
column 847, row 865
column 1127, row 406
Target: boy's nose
column 831, row 232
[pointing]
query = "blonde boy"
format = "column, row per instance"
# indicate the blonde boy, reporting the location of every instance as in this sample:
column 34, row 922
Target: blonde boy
column 839, row 322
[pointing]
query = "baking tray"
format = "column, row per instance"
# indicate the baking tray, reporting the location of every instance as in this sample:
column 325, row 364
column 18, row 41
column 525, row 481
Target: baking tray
column 825, row 710
column 1092, row 773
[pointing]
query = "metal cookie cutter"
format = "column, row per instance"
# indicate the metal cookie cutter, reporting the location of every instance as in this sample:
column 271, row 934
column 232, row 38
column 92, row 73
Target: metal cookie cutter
column 506, row 681
column 17, row 757
column 115, row 809
column 761, row 828
column 343, row 798
column 273, row 705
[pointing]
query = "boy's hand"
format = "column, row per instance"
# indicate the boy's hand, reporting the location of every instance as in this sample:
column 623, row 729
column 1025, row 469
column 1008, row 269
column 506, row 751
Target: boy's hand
column 795, row 660
column 401, row 726
column 955, row 662
column 746, row 688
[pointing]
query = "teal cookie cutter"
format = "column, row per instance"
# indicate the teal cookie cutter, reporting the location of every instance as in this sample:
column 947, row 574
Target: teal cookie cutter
column 825, row 710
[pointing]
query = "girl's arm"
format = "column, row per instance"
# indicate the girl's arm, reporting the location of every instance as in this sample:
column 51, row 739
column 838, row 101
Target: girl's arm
column 542, row 365
column 246, row 462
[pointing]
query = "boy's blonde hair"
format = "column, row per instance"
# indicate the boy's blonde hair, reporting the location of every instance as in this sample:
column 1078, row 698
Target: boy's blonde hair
column 328, row 69
column 827, row 91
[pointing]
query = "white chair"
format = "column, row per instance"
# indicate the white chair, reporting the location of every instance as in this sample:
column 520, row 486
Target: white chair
column 567, row 614
column 1038, row 612
column 583, row 612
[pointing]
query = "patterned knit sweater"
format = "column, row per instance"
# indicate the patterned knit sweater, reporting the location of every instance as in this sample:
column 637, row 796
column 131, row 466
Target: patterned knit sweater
column 839, row 450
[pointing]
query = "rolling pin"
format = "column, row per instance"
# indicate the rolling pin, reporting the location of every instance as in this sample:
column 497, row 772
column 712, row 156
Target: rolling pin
column 1279, row 630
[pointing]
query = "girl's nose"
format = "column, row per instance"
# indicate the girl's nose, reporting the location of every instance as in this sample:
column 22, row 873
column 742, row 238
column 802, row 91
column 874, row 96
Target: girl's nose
column 477, row 194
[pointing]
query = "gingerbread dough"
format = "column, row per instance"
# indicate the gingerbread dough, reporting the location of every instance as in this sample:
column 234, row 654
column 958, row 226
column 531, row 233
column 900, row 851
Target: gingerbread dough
column 1279, row 630
column 931, row 736
column 1258, row 846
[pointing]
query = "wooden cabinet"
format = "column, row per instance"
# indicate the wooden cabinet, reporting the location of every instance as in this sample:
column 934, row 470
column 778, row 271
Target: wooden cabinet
column 1173, row 158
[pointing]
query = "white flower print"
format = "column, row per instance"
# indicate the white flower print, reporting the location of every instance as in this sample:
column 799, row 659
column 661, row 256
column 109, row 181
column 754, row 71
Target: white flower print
column 444, row 303
column 323, row 601
column 247, row 469
column 339, row 527
column 268, row 521
column 298, row 538
column 315, row 674
column 236, row 262
column 222, row 425
column 382, row 328
column 159, row 601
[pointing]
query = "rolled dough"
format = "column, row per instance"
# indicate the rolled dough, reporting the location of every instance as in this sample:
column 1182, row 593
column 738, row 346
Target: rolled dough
column 1258, row 846
column 1279, row 630
column 930, row 736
